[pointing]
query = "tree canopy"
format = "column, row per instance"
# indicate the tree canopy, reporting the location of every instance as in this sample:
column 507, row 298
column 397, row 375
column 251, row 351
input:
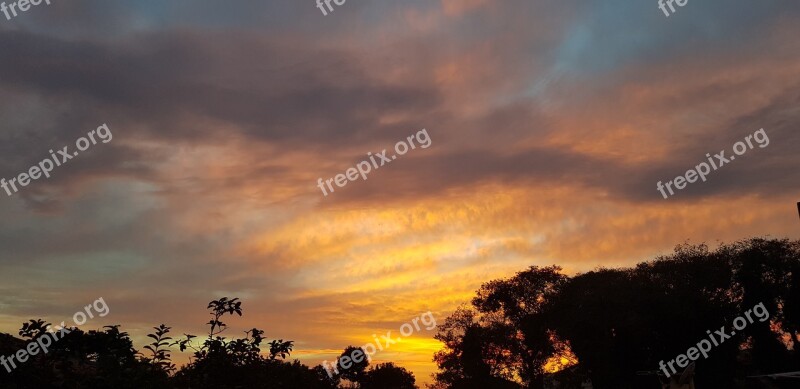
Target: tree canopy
column 613, row 326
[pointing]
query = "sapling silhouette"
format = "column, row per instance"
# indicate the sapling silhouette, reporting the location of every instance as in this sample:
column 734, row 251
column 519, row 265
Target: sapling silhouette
column 159, row 349
column 239, row 351
column 221, row 363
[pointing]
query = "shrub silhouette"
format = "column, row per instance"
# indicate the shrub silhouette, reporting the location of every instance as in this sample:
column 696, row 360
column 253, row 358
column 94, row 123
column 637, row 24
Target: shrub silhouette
column 238, row 363
column 93, row 359
column 106, row 359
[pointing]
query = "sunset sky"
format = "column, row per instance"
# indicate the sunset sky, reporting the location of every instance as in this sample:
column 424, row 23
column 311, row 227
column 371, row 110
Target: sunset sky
column 550, row 123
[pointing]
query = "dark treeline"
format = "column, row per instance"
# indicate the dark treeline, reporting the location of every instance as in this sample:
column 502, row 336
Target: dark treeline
column 611, row 327
column 107, row 360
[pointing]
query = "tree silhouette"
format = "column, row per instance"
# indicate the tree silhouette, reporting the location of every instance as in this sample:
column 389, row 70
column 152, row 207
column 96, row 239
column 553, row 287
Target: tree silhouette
column 464, row 361
column 613, row 326
column 352, row 364
column 388, row 376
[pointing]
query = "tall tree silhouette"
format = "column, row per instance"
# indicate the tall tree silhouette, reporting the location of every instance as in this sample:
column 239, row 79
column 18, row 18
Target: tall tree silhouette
column 619, row 322
column 497, row 342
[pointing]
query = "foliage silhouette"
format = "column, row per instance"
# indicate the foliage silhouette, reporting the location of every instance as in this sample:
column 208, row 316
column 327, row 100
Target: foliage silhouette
column 159, row 355
column 610, row 324
column 93, row 359
column 388, row 376
column 352, row 364
column 382, row 376
column 107, row 360
column 606, row 326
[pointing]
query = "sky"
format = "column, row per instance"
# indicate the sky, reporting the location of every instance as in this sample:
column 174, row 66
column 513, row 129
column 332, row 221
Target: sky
column 550, row 124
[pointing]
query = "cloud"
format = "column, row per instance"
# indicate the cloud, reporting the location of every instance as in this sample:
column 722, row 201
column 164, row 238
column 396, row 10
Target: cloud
column 550, row 125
